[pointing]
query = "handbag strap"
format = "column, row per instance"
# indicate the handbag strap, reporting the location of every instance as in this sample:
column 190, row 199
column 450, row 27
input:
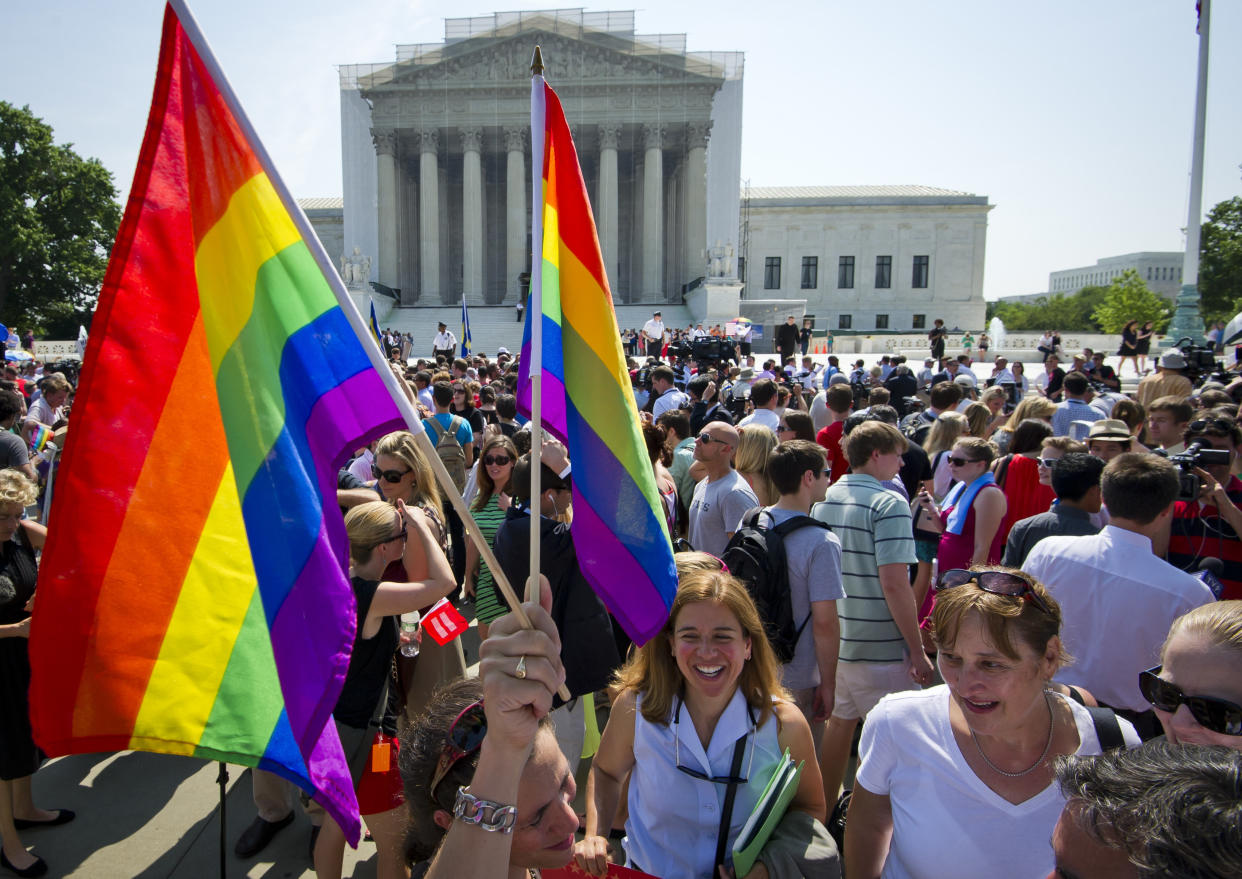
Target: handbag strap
column 726, row 813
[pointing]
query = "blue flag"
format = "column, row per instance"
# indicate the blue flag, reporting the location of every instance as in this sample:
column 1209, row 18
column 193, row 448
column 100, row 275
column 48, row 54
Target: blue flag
column 465, row 329
column 374, row 325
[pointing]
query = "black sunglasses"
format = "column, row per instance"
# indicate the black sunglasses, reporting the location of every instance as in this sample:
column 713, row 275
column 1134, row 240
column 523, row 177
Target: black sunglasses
column 388, row 475
column 1218, row 715
column 496, row 460
column 1224, row 426
column 961, row 462
column 465, row 736
column 996, row 582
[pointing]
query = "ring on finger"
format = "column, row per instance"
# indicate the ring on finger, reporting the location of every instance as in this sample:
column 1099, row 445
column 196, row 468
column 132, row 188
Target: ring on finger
column 520, row 671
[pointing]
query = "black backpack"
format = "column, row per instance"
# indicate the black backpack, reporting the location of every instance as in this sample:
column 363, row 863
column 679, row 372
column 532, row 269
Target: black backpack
column 756, row 556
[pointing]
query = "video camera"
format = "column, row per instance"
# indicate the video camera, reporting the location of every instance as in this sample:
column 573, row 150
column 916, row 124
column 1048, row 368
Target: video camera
column 1196, row 455
column 1201, row 362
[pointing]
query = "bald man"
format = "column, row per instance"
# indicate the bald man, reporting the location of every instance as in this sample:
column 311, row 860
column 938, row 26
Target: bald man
column 723, row 497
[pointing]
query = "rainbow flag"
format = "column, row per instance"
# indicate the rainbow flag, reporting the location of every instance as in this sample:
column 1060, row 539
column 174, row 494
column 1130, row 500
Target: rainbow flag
column 619, row 529
column 192, row 595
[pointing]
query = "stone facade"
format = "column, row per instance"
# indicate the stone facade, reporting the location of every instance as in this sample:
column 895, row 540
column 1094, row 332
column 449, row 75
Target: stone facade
column 437, row 155
column 1160, row 270
column 870, row 257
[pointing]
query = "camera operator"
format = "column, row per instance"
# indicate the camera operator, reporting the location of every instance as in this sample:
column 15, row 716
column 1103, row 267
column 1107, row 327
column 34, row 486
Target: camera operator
column 1208, row 526
column 705, row 404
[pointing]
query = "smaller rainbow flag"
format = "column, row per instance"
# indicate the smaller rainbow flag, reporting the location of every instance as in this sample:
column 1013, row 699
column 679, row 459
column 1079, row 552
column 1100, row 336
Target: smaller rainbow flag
column 619, row 529
column 41, row 437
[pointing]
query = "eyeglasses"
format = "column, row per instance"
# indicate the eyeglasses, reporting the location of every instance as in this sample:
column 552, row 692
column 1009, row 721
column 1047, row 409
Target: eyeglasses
column 496, row 460
column 465, row 736
column 783, row 427
column 1223, row 425
column 708, row 438
column 996, row 582
column 1216, row 715
column 961, row 462
column 388, row 475
column 1046, row 462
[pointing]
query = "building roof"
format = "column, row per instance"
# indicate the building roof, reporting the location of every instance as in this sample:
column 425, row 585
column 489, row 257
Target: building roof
column 321, row 204
column 829, row 195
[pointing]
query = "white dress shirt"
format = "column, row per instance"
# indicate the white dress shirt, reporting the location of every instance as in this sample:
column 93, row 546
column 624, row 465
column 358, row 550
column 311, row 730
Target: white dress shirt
column 766, row 417
column 1117, row 603
column 670, row 399
column 654, row 329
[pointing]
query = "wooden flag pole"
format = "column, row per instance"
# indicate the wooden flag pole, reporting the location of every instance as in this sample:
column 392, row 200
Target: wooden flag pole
column 534, row 314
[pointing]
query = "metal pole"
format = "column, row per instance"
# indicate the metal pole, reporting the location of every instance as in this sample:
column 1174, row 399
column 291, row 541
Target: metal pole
column 223, row 779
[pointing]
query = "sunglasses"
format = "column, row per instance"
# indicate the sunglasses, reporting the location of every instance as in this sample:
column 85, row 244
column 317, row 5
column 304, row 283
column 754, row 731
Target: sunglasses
column 1224, row 426
column 783, row 427
column 961, row 462
column 1217, row 715
column 496, row 460
column 996, row 582
column 708, row 438
column 1046, row 462
column 388, row 475
column 465, row 736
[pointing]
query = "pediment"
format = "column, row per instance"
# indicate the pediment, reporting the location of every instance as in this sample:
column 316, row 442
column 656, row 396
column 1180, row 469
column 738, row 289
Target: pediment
column 504, row 60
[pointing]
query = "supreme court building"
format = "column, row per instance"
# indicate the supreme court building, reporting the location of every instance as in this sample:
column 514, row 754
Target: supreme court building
column 437, row 157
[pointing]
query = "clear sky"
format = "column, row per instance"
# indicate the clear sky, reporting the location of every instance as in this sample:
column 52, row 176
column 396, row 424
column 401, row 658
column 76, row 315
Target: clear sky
column 1073, row 117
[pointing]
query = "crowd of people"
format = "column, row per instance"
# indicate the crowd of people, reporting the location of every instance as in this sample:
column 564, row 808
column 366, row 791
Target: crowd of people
column 996, row 619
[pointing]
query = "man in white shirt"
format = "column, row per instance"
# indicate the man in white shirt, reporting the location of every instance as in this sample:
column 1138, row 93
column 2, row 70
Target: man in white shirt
column 666, row 393
column 1001, row 373
column 723, row 496
column 444, row 344
column 653, row 334
column 1117, row 598
column 764, row 396
column 925, row 376
column 699, row 332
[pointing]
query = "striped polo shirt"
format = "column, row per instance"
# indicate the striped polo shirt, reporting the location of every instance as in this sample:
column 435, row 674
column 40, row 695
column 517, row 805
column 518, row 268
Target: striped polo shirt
column 874, row 527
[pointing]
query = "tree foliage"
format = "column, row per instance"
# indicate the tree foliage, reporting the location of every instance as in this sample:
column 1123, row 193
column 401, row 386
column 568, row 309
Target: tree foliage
column 1067, row 314
column 1129, row 298
column 58, row 218
column 1220, row 261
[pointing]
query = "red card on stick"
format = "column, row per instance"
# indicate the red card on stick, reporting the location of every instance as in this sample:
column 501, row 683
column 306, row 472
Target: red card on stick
column 573, row 871
column 443, row 623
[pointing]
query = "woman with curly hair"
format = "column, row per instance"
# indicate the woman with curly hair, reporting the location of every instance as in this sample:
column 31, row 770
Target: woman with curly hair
column 488, row 511
column 20, row 539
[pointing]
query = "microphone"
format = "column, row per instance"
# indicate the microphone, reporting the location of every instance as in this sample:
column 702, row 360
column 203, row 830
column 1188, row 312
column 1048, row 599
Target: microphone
column 1210, row 571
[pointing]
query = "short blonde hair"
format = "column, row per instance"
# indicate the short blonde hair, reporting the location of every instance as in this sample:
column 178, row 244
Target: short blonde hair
column 1219, row 622
column 1031, row 407
column 15, row 488
column 367, row 526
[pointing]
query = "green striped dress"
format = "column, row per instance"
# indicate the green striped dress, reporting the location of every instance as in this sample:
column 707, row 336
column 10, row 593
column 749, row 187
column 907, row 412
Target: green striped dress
column 489, row 604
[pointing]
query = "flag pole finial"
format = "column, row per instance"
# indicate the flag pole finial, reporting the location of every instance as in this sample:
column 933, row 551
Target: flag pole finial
column 536, row 63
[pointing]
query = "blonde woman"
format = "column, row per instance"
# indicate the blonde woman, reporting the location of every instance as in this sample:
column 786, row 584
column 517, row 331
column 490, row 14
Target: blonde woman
column 694, row 697
column 1195, row 691
column 978, row 419
column 940, row 439
column 20, row 539
column 1030, row 407
column 751, row 461
column 994, row 398
column 378, row 536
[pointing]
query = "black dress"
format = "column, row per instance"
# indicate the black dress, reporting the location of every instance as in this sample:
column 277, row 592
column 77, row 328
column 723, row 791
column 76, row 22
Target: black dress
column 1129, row 344
column 18, row 572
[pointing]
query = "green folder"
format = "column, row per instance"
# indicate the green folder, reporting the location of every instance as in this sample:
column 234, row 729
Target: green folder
column 768, row 813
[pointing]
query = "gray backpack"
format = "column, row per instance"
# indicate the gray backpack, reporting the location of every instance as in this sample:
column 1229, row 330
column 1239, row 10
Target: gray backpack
column 450, row 450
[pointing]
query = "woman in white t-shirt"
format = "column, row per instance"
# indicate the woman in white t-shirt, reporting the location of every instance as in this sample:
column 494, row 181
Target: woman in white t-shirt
column 957, row 780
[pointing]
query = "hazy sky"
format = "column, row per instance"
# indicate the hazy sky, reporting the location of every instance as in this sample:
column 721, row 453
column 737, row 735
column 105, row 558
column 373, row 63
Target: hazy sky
column 1073, row 117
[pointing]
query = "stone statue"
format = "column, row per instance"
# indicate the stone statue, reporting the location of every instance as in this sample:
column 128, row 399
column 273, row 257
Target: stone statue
column 728, row 261
column 355, row 269
column 717, row 261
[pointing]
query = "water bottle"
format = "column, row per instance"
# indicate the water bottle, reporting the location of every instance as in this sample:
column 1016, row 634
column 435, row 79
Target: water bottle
column 411, row 634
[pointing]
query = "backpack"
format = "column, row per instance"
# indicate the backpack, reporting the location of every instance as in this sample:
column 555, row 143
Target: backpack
column 756, row 556
column 450, row 450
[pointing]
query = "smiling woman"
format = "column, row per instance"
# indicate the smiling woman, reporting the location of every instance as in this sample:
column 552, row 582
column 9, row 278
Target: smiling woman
column 978, row 750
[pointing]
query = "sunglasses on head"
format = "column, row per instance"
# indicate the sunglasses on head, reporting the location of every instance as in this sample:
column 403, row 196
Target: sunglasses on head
column 1217, row 715
column 388, row 475
column 996, row 582
column 496, row 460
column 465, row 736
column 961, row 462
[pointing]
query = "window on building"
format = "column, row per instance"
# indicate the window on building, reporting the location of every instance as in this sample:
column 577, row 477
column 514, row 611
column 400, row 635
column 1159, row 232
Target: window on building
column 741, row 269
column 845, row 273
column 845, row 321
column 920, row 322
column 771, row 273
column 1149, row 273
column 919, row 276
column 883, row 272
column 810, row 272
column 881, row 321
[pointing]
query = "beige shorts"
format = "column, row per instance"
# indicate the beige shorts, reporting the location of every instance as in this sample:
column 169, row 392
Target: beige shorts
column 862, row 684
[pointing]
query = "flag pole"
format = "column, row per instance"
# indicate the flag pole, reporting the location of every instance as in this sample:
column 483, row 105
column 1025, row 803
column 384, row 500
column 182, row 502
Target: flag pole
column 350, row 310
column 534, row 314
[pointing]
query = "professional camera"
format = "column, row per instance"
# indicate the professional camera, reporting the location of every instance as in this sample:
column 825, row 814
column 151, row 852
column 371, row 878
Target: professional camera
column 680, row 349
column 1201, row 363
column 1196, row 455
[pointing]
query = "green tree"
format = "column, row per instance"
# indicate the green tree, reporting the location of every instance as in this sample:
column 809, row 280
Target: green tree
column 1220, row 261
column 58, row 218
column 1069, row 314
column 1129, row 298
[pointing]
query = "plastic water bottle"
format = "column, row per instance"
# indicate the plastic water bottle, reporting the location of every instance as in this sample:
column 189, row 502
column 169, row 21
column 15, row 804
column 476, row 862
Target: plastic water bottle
column 411, row 634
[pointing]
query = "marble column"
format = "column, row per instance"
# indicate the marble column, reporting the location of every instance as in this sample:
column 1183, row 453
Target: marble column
column 472, row 215
column 515, row 211
column 386, row 172
column 606, row 221
column 429, row 216
column 653, row 214
column 695, row 262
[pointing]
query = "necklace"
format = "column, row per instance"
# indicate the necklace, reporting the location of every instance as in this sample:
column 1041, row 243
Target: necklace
column 1038, row 761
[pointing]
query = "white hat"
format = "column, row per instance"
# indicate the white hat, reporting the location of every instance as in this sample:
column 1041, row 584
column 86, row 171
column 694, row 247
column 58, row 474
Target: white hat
column 502, row 350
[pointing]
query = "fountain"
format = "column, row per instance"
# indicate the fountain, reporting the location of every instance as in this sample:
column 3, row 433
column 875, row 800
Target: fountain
column 996, row 329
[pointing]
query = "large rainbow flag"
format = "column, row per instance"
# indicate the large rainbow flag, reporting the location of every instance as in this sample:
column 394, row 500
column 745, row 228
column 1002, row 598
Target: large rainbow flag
column 619, row 529
column 193, row 597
